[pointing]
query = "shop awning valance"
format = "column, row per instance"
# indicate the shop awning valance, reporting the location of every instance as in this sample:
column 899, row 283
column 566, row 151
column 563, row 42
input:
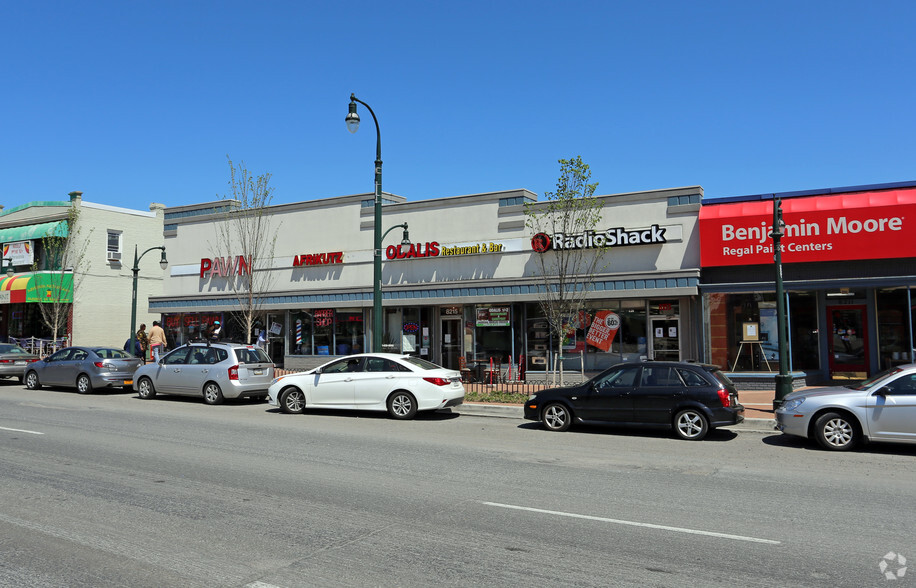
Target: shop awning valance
column 47, row 287
column 24, row 233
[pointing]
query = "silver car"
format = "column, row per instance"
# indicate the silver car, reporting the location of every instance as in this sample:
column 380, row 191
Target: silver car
column 83, row 368
column 13, row 360
column 213, row 371
column 882, row 408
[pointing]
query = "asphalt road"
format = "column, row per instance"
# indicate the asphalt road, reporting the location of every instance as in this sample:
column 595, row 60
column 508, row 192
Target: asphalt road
column 110, row 490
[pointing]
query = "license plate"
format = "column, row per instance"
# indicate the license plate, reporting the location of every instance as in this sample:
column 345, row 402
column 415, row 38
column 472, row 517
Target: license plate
column 258, row 372
column 128, row 382
column 20, row 363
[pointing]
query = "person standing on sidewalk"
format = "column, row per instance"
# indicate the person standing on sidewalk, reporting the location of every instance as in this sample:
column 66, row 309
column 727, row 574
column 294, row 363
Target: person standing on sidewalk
column 156, row 340
column 143, row 341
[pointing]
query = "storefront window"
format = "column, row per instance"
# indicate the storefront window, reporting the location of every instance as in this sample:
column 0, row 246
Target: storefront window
column 183, row 327
column 489, row 331
column 408, row 331
column 326, row 331
column 348, row 332
column 323, row 331
column 632, row 335
column 894, row 335
column 742, row 331
column 300, row 335
column 391, row 339
column 803, row 331
column 585, row 348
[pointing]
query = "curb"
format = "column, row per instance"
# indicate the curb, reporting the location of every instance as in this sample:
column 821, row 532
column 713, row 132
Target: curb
column 517, row 412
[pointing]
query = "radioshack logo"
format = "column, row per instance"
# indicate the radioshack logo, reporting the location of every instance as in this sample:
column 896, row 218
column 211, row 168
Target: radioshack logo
column 616, row 237
column 540, row 242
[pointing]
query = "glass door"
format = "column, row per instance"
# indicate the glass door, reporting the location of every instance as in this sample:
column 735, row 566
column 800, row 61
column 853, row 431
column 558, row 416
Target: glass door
column 848, row 340
column 666, row 345
column 451, row 342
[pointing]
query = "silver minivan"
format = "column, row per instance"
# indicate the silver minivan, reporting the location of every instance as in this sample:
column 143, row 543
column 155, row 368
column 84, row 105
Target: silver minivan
column 213, row 371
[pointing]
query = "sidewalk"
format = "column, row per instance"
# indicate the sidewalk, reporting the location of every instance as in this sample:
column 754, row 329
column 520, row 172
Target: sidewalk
column 758, row 411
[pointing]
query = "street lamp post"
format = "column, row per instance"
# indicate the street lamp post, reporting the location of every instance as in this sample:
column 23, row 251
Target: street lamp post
column 163, row 263
column 8, row 268
column 783, row 379
column 352, row 121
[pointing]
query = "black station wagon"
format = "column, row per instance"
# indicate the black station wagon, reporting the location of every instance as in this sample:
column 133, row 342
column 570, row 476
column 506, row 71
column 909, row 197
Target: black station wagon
column 690, row 398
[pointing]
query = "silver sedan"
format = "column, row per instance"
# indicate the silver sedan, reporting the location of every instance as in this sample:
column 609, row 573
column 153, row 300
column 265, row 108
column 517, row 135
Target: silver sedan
column 13, row 360
column 84, row 368
column 882, row 408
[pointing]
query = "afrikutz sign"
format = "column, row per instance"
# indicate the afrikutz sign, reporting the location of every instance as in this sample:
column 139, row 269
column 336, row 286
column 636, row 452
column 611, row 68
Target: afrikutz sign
column 842, row 227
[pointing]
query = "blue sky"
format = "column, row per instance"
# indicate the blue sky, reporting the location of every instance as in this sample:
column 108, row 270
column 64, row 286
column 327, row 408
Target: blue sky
column 135, row 102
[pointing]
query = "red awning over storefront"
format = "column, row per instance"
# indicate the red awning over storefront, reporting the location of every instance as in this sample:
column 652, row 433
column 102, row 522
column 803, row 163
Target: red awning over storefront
column 862, row 225
column 13, row 289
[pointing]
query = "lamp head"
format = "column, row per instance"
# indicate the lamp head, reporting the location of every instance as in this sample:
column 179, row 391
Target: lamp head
column 9, row 272
column 352, row 119
column 405, row 239
column 163, row 263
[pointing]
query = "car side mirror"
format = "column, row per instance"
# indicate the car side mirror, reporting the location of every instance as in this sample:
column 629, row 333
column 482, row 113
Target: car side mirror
column 882, row 391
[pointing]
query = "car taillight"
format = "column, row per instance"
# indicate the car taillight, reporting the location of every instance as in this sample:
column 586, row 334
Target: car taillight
column 724, row 397
column 438, row 381
column 33, row 360
column 6, row 361
column 234, row 372
column 99, row 364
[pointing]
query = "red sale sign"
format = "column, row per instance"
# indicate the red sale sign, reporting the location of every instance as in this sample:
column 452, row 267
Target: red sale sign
column 603, row 330
column 840, row 227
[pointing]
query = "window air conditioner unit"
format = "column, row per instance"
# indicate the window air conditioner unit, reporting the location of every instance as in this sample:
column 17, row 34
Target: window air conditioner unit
column 114, row 256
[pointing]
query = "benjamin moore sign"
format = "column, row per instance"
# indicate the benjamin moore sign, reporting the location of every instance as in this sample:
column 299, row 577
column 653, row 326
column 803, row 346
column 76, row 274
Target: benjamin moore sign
column 866, row 225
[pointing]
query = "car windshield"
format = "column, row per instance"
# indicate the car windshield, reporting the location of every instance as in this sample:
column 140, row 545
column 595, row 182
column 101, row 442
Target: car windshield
column 421, row 363
column 876, row 380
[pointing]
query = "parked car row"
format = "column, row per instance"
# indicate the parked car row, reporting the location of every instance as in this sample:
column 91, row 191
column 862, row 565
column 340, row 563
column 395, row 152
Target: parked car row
column 691, row 399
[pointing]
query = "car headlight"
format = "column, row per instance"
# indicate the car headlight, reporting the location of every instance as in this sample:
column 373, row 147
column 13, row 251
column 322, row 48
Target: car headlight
column 793, row 404
column 533, row 397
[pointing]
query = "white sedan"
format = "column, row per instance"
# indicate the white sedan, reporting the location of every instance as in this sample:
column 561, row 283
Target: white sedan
column 399, row 384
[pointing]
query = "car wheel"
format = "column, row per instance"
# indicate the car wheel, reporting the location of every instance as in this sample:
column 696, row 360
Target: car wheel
column 556, row 417
column 31, row 381
column 292, row 401
column 145, row 389
column 402, row 406
column 212, row 394
column 83, row 384
column 691, row 424
column 836, row 431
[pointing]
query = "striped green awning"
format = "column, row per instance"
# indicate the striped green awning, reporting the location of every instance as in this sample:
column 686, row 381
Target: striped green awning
column 24, row 233
column 44, row 287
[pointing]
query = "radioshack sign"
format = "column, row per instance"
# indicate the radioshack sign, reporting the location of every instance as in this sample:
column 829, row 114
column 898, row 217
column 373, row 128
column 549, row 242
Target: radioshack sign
column 616, row 237
column 867, row 225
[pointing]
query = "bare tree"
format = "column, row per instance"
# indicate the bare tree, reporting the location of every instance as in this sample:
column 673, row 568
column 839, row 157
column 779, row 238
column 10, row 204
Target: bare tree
column 60, row 271
column 245, row 244
column 567, row 266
